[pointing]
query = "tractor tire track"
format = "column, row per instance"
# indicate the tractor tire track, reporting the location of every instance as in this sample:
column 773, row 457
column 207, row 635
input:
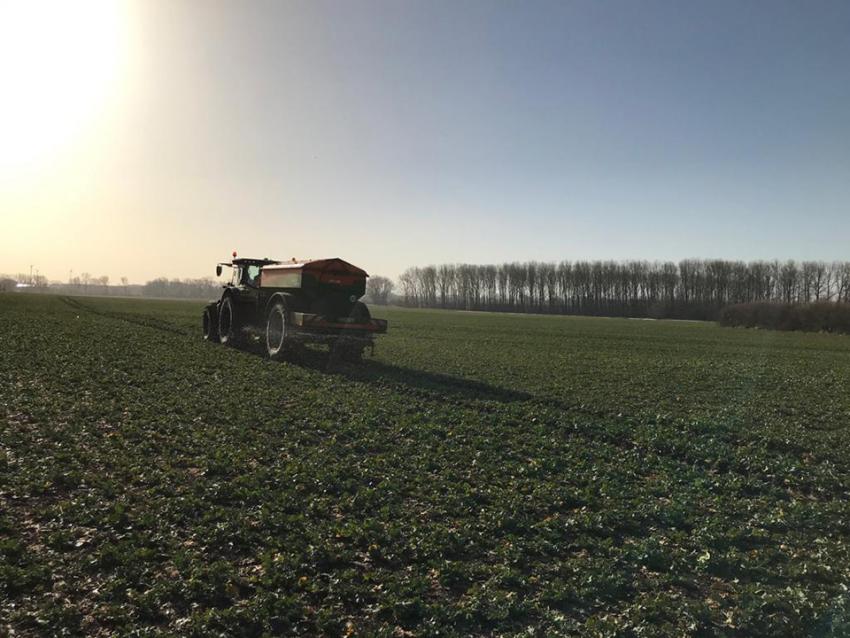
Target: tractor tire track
column 148, row 322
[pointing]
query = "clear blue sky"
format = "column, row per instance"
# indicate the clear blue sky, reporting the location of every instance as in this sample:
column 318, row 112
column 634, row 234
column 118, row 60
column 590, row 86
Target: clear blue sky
column 402, row 133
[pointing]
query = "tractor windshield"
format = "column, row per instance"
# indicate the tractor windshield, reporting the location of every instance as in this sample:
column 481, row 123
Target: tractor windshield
column 246, row 275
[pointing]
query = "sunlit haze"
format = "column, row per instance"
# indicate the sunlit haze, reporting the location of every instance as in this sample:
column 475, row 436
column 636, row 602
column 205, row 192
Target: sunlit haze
column 144, row 139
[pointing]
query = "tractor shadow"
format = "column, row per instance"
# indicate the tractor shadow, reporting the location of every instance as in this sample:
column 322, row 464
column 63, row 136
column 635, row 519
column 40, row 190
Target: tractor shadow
column 429, row 385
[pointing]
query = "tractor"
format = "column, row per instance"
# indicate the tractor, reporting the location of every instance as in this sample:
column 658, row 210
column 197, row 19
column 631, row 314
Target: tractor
column 284, row 305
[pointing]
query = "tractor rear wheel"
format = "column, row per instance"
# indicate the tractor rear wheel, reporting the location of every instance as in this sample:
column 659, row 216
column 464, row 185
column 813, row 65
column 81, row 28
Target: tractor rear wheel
column 229, row 331
column 353, row 352
column 277, row 332
column 350, row 347
column 210, row 324
column 360, row 312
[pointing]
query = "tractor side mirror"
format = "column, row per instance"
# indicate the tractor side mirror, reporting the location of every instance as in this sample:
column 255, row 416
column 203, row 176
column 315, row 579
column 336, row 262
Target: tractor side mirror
column 218, row 270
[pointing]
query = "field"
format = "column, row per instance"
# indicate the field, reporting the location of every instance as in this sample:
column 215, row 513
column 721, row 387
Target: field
column 481, row 475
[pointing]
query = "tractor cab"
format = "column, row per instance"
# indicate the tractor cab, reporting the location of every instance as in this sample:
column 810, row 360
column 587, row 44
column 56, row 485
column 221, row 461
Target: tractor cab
column 246, row 272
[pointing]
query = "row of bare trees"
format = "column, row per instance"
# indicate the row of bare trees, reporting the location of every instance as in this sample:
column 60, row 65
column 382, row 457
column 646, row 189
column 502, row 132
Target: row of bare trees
column 85, row 281
column 692, row 288
column 9, row 282
column 203, row 288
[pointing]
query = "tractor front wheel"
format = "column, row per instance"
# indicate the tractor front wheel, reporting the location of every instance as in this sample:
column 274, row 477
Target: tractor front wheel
column 210, row 324
column 277, row 332
column 229, row 332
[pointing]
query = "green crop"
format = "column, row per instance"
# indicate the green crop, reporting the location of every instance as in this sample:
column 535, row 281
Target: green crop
column 484, row 474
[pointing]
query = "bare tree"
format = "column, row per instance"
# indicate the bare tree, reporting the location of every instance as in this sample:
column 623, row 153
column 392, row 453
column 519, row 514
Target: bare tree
column 378, row 289
column 788, row 281
column 445, row 280
column 408, row 281
column 843, row 283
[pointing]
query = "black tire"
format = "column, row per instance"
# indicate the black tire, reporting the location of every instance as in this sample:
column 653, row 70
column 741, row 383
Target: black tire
column 278, row 338
column 210, row 324
column 360, row 312
column 353, row 353
column 347, row 349
column 229, row 330
column 351, row 349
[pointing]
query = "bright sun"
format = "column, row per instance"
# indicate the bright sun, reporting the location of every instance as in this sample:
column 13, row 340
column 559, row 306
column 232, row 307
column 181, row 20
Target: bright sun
column 59, row 63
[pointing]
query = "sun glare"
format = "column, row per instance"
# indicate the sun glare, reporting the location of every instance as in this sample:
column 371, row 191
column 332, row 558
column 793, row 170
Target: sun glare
column 59, row 64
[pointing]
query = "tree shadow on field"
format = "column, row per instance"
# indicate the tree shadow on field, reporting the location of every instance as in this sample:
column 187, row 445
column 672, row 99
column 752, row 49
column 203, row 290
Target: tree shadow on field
column 432, row 385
